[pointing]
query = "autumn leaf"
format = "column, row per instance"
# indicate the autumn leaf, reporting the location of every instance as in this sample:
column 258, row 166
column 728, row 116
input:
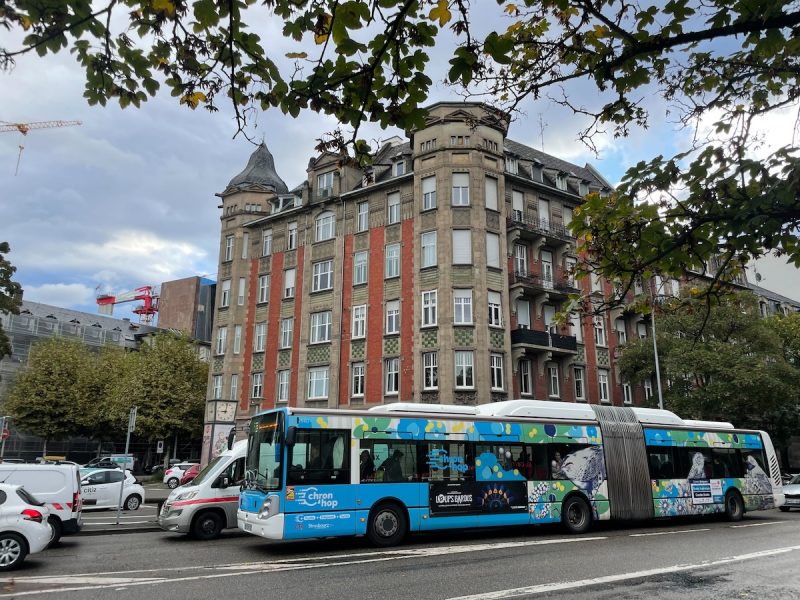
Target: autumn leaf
column 296, row 55
column 441, row 12
column 323, row 29
column 193, row 99
column 26, row 22
column 165, row 6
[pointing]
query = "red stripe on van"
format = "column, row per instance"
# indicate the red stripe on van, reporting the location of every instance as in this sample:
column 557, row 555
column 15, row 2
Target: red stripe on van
column 206, row 501
column 57, row 506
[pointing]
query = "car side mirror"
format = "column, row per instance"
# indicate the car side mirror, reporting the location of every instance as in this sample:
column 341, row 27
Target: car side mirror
column 224, row 481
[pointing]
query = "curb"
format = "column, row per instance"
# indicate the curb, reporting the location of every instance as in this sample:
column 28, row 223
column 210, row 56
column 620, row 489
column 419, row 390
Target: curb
column 108, row 531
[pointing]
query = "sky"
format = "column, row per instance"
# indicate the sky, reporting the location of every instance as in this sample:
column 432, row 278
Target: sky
column 127, row 198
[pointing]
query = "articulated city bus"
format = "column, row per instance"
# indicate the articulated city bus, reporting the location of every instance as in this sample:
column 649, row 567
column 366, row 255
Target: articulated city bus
column 400, row 468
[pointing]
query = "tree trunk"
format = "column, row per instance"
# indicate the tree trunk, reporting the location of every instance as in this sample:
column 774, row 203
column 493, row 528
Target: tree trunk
column 166, row 457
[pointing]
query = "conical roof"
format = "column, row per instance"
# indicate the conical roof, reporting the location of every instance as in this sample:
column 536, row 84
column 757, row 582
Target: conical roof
column 260, row 170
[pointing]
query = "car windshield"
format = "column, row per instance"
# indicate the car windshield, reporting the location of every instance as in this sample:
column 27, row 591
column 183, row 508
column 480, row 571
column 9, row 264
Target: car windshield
column 209, row 471
column 264, row 452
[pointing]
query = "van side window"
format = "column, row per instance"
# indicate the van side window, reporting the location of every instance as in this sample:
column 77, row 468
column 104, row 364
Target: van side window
column 3, row 497
column 235, row 471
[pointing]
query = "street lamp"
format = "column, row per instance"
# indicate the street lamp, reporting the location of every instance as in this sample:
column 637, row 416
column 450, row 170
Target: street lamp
column 4, row 436
column 653, row 296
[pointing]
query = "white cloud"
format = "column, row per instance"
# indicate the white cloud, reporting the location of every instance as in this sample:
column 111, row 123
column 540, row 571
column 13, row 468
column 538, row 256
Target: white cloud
column 65, row 295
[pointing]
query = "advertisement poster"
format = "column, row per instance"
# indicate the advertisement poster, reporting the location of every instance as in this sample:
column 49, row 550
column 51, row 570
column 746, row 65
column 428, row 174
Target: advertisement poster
column 477, row 497
column 220, row 442
column 207, row 433
column 701, row 492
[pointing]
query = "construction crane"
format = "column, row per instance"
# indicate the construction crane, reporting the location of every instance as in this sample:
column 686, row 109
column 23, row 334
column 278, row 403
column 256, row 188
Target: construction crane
column 146, row 311
column 24, row 128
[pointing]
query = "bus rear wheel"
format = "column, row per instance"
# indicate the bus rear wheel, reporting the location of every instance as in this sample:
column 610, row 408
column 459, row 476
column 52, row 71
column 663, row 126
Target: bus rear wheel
column 387, row 525
column 734, row 507
column 576, row 515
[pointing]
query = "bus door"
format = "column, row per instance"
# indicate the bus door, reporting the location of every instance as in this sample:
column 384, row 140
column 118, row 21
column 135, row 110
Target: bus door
column 452, row 494
column 320, row 501
column 501, row 474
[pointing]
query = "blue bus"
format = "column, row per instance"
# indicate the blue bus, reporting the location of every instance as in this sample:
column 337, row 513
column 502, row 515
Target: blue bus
column 406, row 467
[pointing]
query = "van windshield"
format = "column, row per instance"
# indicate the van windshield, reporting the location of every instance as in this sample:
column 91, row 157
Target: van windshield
column 210, row 471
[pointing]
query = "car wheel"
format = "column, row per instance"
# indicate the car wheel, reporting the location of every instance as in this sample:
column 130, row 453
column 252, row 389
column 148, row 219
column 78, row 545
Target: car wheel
column 784, row 508
column 133, row 502
column 13, row 551
column 172, row 483
column 387, row 525
column 207, row 526
column 734, row 507
column 576, row 515
column 55, row 531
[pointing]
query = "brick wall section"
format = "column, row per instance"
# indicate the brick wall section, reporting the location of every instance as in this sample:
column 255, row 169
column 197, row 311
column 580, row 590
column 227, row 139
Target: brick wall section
column 347, row 302
column 407, row 312
column 273, row 332
column 298, row 323
column 374, row 375
column 247, row 336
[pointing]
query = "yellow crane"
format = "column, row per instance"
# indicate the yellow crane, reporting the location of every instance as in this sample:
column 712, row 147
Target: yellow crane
column 24, row 128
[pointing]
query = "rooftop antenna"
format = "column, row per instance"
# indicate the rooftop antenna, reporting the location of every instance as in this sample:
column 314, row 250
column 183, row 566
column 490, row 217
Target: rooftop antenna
column 542, row 125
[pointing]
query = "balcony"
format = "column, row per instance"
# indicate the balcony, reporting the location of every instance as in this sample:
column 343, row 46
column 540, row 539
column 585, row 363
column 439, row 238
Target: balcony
column 559, row 286
column 533, row 227
column 544, row 341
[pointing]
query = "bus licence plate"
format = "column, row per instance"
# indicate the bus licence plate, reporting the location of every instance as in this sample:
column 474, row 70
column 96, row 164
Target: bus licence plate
column 248, row 527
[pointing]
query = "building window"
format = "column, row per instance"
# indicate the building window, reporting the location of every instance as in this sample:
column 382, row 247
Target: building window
column 266, row 242
column 648, row 388
column 597, row 282
column 496, row 371
column 288, row 283
column 549, row 314
column 459, row 140
column 428, row 193
column 430, row 369
column 641, row 330
column 393, row 208
column 291, row 235
column 462, row 247
column 360, row 267
column 521, row 259
column 544, row 213
column 627, row 393
column 561, row 181
column 234, row 387
column 392, row 370
column 359, row 327
column 287, row 332
column 225, row 299
column 260, row 337
column 320, row 327
column 511, row 165
column 222, row 339
column 600, row 331
column 429, row 249
column 257, row 385
column 492, row 250
column 325, row 227
column 392, row 267
column 399, row 168
column 357, row 378
column 237, row 339
column 553, row 387
column 245, row 244
column 228, row 248
column 547, row 269
column 580, row 383
column 571, row 268
column 325, row 185
column 523, row 314
column 602, row 380
column 460, row 189
column 363, row 216
column 318, row 383
column 263, row 288
column 240, row 295
column 495, row 310
column 575, row 326
column 216, row 388
column 462, row 307
column 429, row 300
column 525, row 384
column 323, row 276
column 392, row 317
column 491, row 193
column 464, row 364
column 517, row 205
column 283, row 385
column 619, row 327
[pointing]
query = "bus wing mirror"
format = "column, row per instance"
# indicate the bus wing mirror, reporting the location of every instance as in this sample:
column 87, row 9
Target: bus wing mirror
column 291, row 435
column 231, row 437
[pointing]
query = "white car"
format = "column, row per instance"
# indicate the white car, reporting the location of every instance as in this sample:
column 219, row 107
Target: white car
column 23, row 526
column 100, row 489
column 791, row 491
column 173, row 475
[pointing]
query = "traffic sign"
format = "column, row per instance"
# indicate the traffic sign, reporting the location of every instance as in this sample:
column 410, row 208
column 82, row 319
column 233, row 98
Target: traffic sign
column 132, row 420
column 5, row 434
column 160, row 447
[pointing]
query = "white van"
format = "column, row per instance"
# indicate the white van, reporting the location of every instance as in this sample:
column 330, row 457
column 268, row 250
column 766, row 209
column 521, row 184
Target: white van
column 58, row 486
column 209, row 503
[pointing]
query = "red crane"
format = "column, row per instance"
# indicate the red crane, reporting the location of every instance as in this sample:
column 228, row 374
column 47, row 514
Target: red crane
column 146, row 311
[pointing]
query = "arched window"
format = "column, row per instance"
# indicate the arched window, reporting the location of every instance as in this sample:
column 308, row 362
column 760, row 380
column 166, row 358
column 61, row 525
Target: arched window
column 325, row 226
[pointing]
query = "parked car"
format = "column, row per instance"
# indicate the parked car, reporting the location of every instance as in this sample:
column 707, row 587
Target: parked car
column 103, row 462
column 24, row 526
column 208, row 504
column 100, row 489
column 791, row 490
column 190, row 474
column 172, row 476
column 58, row 486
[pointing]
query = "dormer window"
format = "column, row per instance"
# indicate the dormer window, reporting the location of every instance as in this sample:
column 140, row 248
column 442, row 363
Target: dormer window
column 399, row 168
column 583, row 187
column 325, row 185
column 512, row 166
column 561, row 181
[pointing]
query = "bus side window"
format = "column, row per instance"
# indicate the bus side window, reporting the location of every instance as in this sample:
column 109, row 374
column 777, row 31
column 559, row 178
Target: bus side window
column 386, row 461
column 538, row 454
column 725, row 463
column 319, row 457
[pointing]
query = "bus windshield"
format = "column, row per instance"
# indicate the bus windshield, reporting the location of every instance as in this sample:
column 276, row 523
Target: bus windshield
column 264, row 453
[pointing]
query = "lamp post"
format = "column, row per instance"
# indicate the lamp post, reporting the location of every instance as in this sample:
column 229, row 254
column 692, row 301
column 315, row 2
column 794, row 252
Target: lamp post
column 655, row 346
column 4, row 436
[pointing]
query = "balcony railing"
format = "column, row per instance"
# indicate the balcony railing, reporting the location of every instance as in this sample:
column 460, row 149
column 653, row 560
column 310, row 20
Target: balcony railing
column 539, row 225
column 544, row 339
column 558, row 284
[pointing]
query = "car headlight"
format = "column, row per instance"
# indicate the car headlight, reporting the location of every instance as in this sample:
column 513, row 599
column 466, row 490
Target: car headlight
column 186, row 495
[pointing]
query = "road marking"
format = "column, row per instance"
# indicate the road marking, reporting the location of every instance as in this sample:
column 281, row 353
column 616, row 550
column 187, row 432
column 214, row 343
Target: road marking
column 758, row 524
column 571, row 585
column 667, row 532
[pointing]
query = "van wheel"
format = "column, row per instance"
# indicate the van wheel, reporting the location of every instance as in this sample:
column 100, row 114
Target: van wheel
column 133, row 502
column 172, row 483
column 784, row 508
column 207, row 526
column 55, row 531
column 13, row 551
column 387, row 525
column 734, row 507
column 576, row 515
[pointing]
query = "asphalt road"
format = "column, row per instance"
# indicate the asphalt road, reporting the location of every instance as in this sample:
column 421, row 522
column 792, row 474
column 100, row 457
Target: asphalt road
column 757, row 558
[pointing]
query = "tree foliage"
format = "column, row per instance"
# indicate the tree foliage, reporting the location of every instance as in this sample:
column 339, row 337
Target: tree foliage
column 726, row 364
column 713, row 65
column 10, row 295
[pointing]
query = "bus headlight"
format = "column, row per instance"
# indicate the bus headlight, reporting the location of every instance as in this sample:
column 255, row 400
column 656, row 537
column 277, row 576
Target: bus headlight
column 269, row 507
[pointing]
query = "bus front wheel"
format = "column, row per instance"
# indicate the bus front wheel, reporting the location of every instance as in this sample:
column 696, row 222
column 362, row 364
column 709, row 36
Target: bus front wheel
column 576, row 515
column 734, row 507
column 387, row 525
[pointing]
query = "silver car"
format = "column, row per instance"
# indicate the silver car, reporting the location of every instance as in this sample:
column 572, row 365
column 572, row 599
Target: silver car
column 791, row 490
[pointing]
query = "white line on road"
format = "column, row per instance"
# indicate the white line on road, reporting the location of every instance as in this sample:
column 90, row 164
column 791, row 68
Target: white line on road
column 759, row 524
column 668, row 532
column 571, row 585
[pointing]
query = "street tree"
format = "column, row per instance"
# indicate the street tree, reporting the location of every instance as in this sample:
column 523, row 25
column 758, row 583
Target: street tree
column 10, row 295
column 45, row 397
column 725, row 363
column 712, row 65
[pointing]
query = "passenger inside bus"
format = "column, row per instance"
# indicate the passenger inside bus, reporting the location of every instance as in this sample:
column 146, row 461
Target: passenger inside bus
column 367, row 466
column 392, row 467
